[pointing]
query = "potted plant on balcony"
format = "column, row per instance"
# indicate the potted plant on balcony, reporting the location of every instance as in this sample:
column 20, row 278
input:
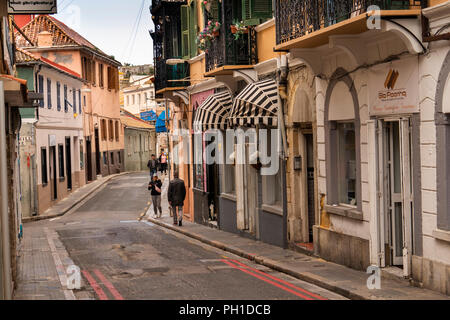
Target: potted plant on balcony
column 238, row 29
column 213, row 28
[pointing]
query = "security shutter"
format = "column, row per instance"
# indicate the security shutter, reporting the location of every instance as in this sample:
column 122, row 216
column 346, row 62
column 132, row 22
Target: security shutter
column 255, row 11
column 193, row 28
column 185, row 32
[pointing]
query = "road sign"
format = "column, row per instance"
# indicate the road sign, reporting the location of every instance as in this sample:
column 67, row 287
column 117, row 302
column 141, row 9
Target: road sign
column 32, row 7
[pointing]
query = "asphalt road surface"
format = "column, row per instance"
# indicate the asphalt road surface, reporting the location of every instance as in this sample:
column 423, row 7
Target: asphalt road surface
column 121, row 258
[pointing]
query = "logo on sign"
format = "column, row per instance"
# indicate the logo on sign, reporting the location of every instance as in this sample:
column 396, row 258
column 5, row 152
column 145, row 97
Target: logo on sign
column 391, row 79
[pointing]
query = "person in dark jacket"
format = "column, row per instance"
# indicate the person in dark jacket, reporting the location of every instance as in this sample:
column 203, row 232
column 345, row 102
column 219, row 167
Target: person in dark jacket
column 152, row 165
column 155, row 186
column 176, row 195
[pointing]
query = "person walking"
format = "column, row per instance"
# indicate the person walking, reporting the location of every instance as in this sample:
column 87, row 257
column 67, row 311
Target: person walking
column 163, row 161
column 176, row 195
column 152, row 165
column 155, row 186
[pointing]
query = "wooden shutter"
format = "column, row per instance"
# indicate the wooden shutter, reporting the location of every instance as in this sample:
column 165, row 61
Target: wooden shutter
column 193, row 29
column 58, row 96
column 254, row 11
column 185, row 32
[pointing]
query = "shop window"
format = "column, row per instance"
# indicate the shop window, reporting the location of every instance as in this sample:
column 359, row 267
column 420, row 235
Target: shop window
column 44, row 172
column 198, row 162
column 346, row 163
column 119, row 157
column 61, row 160
column 105, row 158
column 112, row 158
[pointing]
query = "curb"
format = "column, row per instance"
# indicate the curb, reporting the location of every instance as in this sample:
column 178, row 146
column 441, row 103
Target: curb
column 265, row 262
column 70, row 207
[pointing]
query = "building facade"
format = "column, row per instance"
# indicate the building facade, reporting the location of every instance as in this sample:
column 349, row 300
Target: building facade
column 139, row 98
column 51, row 137
column 371, row 90
column 103, row 143
column 140, row 142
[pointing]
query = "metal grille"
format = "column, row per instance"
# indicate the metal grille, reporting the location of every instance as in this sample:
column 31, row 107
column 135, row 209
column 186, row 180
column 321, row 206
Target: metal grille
column 296, row 18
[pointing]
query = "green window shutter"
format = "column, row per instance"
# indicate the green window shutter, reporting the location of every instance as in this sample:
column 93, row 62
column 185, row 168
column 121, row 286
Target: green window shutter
column 185, row 32
column 193, row 28
column 255, row 11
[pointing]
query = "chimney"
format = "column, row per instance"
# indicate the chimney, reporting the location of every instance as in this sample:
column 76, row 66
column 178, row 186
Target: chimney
column 22, row 19
column 45, row 39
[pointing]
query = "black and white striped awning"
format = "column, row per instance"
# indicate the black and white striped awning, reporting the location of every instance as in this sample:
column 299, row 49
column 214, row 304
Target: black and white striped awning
column 213, row 113
column 256, row 104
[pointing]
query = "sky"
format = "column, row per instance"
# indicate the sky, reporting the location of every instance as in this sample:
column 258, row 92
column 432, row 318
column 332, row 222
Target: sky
column 108, row 24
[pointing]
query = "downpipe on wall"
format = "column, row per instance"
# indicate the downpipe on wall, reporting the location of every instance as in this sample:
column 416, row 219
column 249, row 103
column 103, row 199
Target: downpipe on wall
column 5, row 278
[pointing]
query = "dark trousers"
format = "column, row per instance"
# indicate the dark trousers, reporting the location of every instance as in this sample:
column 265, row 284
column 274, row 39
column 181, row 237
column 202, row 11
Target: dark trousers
column 177, row 216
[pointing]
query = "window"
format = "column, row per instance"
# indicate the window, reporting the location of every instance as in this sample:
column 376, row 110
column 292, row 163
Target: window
column 44, row 166
column 49, row 93
column 139, row 100
column 58, row 96
column 272, row 184
column 113, row 78
column 105, row 158
column 66, row 106
column 74, row 100
column 119, row 157
column 61, row 160
column 256, row 11
column 112, row 157
column 128, row 100
column 346, row 163
column 79, row 102
column 111, row 130
column 41, row 89
column 134, row 99
column 84, row 100
column 103, row 128
column 198, row 162
column 117, row 130
column 101, row 79
column 130, row 145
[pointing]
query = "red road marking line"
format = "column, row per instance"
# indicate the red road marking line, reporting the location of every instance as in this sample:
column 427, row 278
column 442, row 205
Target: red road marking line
column 101, row 294
column 109, row 285
column 279, row 280
column 267, row 280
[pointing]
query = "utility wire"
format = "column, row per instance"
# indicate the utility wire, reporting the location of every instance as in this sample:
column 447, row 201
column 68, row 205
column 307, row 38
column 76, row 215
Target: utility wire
column 134, row 29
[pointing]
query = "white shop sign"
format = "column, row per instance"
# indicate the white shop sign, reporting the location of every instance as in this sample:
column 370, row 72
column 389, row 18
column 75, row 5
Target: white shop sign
column 394, row 87
column 32, row 7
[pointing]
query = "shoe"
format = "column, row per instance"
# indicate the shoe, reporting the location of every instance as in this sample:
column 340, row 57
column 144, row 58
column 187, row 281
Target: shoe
column 175, row 224
column 180, row 224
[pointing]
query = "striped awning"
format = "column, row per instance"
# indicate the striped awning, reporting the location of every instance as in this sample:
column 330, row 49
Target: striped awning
column 213, row 112
column 256, row 104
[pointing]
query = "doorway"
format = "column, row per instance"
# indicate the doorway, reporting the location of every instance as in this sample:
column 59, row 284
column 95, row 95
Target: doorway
column 246, row 190
column 68, row 164
column 309, row 149
column 97, row 152
column 90, row 174
column 396, row 183
column 53, row 173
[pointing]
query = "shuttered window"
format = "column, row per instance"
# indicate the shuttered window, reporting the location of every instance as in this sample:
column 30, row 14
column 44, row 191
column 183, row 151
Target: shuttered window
column 41, row 89
column 49, row 93
column 185, row 32
column 79, row 101
column 193, row 30
column 66, row 105
column 255, row 11
column 58, row 96
column 74, row 102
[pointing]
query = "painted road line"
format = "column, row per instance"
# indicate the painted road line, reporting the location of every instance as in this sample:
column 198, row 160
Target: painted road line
column 279, row 280
column 100, row 293
column 268, row 281
column 129, row 221
column 109, row 285
column 68, row 294
column 149, row 223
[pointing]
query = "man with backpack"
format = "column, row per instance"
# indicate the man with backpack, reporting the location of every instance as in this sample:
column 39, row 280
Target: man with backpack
column 155, row 186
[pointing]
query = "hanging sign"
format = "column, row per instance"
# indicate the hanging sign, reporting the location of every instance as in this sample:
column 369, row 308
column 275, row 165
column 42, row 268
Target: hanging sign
column 394, row 87
column 32, row 7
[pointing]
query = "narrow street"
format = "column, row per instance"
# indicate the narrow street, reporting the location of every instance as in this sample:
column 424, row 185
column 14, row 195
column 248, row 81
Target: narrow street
column 121, row 258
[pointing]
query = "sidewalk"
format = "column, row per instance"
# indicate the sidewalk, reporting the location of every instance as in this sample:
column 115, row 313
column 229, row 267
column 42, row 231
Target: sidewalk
column 68, row 203
column 337, row 278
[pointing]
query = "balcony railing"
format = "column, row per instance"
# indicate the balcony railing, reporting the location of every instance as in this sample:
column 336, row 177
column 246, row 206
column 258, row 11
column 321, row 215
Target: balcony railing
column 225, row 50
column 295, row 18
column 168, row 76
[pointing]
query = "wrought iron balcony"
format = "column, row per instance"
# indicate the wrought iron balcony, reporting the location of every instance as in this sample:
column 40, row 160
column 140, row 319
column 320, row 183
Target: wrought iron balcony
column 226, row 51
column 168, row 76
column 295, row 18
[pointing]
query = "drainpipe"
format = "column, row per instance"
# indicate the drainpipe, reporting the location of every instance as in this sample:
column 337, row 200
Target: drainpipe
column 5, row 278
column 282, row 73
